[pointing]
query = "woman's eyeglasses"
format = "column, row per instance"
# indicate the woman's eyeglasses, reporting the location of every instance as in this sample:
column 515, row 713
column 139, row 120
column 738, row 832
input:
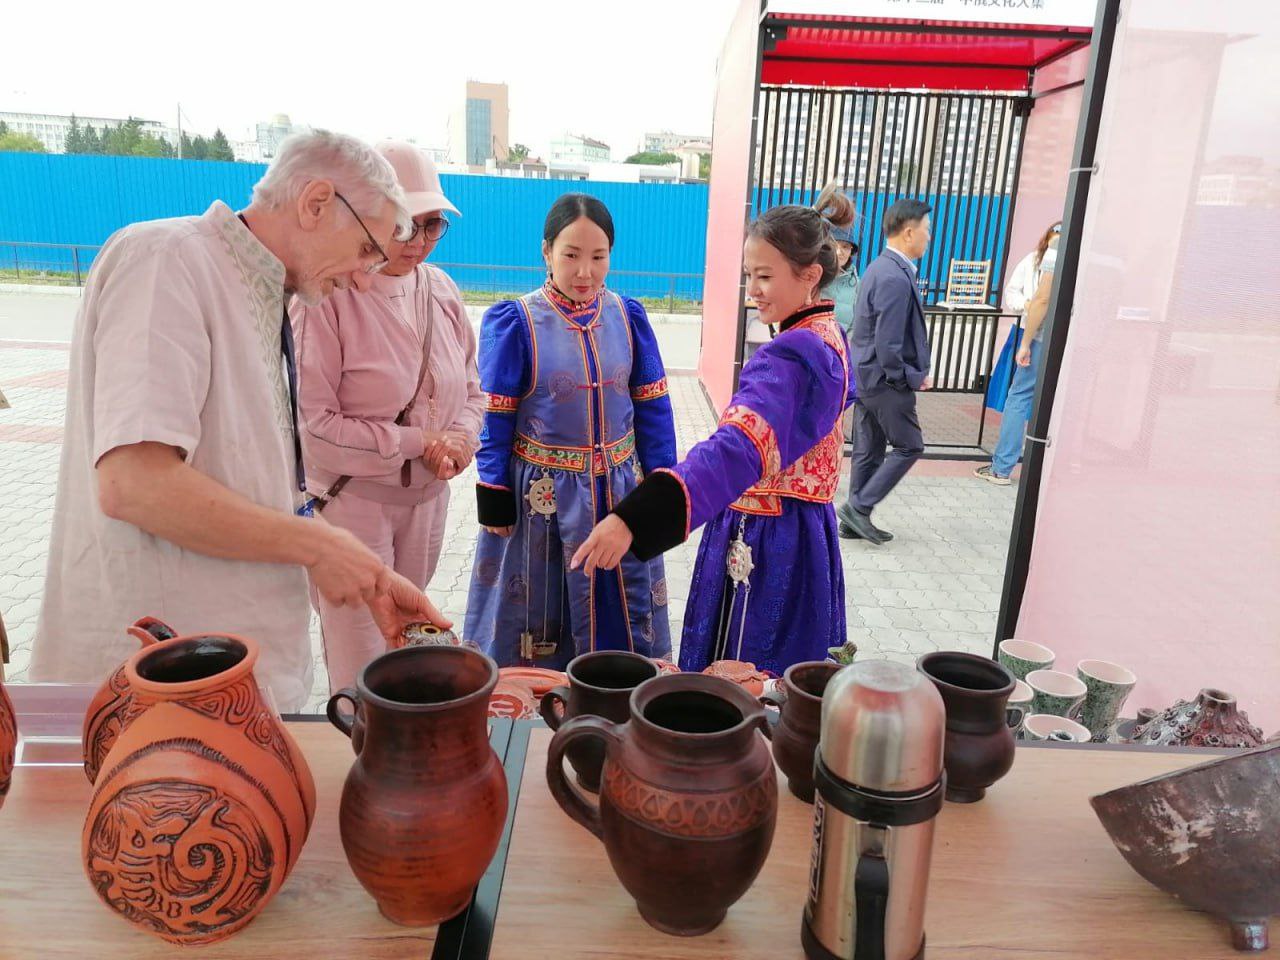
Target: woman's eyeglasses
column 433, row 228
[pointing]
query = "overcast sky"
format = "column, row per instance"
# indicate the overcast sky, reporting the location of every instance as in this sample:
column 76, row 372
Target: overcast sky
column 611, row 69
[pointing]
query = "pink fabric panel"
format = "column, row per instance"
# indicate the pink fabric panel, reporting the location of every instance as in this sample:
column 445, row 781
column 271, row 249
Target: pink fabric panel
column 1048, row 143
column 1158, row 538
column 726, row 214
column 1069, row 69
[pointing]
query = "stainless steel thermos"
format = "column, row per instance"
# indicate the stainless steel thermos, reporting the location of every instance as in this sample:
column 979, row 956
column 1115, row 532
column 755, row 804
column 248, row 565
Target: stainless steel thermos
column 879, row 785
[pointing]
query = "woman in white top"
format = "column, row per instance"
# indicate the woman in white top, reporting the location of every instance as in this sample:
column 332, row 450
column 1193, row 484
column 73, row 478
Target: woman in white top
column 1028, row 293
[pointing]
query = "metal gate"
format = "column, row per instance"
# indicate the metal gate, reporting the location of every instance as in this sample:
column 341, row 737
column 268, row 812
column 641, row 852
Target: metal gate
column 960, row 153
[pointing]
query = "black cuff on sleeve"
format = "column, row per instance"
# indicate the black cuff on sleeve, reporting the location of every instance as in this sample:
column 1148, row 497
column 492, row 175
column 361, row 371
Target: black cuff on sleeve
column 657, row 513
column 496, row 508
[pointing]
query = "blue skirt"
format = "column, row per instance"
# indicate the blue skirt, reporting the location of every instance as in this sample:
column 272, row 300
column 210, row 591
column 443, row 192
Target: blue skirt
column 522, row 582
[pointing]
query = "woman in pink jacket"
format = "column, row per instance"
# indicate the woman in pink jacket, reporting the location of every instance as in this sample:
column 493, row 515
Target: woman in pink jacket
column 391, row 408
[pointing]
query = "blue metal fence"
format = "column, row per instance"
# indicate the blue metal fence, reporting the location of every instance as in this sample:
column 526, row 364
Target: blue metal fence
column 965, row 227
column 661, row 228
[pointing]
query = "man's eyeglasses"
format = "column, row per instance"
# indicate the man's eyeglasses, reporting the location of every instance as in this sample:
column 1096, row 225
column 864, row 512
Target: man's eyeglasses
column 433, row 228
column 382, row 254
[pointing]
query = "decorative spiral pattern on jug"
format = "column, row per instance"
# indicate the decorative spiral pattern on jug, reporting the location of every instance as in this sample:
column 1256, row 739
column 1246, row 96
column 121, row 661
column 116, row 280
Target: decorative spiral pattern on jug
column 183, row 859
column 105, row 722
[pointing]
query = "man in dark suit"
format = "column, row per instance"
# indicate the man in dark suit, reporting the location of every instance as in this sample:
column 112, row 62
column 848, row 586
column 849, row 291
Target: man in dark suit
column 890, row 360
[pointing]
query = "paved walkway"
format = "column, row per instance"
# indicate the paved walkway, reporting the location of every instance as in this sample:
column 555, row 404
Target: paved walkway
column 935, row 587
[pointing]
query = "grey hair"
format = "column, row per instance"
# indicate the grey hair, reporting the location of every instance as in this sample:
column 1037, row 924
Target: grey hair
column 359, row 172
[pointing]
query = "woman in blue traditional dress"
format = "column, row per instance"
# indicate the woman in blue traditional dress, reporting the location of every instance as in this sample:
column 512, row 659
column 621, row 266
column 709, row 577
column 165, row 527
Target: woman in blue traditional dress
column 768, row 586
column 577, row 414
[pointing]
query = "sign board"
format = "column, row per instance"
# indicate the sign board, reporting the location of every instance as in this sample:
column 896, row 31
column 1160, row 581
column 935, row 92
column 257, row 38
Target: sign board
column 1058, row 13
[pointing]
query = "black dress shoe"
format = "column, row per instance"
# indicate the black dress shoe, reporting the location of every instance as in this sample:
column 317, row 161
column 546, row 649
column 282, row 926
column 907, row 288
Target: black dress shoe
column 848, row 533
column 859, row 525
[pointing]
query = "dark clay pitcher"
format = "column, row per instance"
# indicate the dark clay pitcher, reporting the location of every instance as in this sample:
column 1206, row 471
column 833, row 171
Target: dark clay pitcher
column 600, row 684
column 424, row 804
column 979, row 744
column 688, row 797
column 795, row 738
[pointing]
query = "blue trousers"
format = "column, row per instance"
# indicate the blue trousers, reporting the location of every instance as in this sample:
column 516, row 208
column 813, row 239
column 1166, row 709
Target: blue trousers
column 1017, row 411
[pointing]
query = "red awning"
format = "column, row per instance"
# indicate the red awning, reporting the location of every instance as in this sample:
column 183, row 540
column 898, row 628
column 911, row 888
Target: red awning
column 932, row 54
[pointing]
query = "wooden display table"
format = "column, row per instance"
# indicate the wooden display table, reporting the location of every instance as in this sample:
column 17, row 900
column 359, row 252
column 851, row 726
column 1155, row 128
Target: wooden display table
column 48, row 909
column 1026, row 873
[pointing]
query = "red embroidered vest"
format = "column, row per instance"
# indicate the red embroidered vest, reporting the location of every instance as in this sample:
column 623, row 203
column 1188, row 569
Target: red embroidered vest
column 816, row 475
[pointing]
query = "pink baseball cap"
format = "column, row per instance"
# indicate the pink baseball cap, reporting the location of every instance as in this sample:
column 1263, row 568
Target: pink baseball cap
column 417, row 175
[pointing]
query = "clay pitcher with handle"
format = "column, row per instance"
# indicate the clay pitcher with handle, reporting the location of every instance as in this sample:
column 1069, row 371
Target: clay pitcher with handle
column 425, row 801
column 688, row 797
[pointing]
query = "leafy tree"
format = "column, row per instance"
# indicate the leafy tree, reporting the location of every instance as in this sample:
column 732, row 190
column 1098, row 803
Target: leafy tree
column 704, row 166
column 219, row 148
column 20, row 143
column 196, row 148
column 4, row 128
column 652, row 158
column 518, row 153
column 149, row 145
column 91, row 140
column 124, row 139
column 74, row 139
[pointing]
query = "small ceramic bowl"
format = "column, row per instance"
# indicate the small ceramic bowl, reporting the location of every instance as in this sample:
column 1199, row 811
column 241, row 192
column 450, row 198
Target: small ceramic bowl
column 1045, row 726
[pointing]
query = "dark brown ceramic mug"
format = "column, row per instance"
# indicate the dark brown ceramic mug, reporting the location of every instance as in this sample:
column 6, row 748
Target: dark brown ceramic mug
column 795, row 738
column 600, row 685
column 979, row 743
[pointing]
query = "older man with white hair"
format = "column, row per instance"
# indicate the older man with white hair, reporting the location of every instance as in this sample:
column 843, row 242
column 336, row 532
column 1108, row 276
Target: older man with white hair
column 181, row 493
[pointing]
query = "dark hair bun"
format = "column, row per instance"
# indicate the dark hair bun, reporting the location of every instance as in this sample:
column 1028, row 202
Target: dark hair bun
column 834, row 206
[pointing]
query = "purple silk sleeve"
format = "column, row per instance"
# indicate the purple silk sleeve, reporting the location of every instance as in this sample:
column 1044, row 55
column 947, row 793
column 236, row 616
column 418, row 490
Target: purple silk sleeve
column 504, row 362
column 790, row 395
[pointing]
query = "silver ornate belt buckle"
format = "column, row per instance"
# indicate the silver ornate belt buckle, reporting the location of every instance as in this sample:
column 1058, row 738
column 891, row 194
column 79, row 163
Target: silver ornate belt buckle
column 542, row 497
column 739, row 561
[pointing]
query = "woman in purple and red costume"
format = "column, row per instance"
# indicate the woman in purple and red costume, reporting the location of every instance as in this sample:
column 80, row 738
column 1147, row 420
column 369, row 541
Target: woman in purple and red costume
column 768, row 586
